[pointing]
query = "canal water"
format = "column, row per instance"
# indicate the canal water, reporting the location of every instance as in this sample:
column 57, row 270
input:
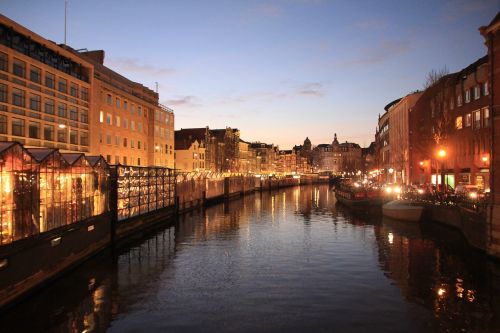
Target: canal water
column 290, row 260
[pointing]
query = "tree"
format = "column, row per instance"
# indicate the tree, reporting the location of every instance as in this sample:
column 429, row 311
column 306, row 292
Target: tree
column 434, row 75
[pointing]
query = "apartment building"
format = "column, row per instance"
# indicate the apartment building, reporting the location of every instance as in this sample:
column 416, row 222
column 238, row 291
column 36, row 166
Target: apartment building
column 45, row 91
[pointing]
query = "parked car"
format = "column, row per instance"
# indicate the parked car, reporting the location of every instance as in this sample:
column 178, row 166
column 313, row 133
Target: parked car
column 470, row 191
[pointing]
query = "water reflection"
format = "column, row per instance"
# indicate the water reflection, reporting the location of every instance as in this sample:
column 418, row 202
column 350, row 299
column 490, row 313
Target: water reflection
column 286, row 260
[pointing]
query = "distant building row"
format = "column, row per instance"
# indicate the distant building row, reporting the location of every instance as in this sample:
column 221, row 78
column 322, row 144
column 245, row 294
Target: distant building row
column 222, row 150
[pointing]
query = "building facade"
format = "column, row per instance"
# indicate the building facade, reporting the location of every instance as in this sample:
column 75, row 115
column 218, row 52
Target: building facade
column 45, row 92
column 189, row 152
column 453, row 116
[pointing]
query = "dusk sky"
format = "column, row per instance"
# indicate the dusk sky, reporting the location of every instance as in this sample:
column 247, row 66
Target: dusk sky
column 277, row 70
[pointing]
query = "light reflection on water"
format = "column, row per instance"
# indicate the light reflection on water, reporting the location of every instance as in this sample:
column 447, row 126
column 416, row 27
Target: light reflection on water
column 287, row 260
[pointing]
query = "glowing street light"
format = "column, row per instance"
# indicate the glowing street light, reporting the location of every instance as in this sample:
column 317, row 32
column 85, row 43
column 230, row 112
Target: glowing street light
column 442, row 153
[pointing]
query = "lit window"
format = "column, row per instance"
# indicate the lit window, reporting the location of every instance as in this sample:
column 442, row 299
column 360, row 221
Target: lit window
column 477, row 119
column 458, row 123
column 468, row 120
column 486, row 89
column 486, row 117
column 101, row 116
column 117, row 122
column 477, row 92
column 467, row 96
column 459, row 100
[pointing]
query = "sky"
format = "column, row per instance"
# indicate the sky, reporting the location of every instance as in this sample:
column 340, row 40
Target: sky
column 279, row 71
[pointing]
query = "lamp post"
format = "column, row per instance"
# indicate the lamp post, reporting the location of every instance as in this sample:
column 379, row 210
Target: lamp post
column 441, row 155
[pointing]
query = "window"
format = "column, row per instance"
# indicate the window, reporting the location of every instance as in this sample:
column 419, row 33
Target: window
column 459, row 100
column 157, row 115
column 108, row 119
column 61, row 110
column 477, row 92
column 61, row 134
column 132, row 108
column 49, row 106
column 477, row 119
column 35, row 74
column 73, row 113
column 18, row 97
column 84, row 116
column 132, row 145
column 73, row 90
column 48, row 132
column 62, row 85
column 467, row 96
column 100, row 137
column 125, row 123
column 3, row 124
column 117, row 102
column 138, row 144
column 35, row 102
column 4, row 62
column 139, row 127
column 125, row 105
column 117, row 121
column 84, row 138
column 452, row 103
column 108, row 139
column 486, row 89
column 132, row 125
column 3, row 93
column 19, row 68
column 34, row 130
column 138, row 161
column 117, row 159
column 139, row 110
column 101, row 116
column 108, row 158
column 84, row 94
column 109, row 99
column 17, row 127
column 124, row 142
column 117, row 140
column 73, row 137
column 468, row 120
column 125, row 160
column 50, row 80
column 486, row 117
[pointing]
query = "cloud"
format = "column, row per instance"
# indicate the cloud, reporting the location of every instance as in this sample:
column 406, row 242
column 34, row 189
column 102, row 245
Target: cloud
column 311, row 89
column 266, row 10
column 456, row 9
column 378, row 54
column 135, row 66
column 372, row 24
column 183, row 101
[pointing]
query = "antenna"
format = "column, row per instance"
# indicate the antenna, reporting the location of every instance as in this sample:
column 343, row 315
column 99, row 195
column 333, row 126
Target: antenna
column 65, row 14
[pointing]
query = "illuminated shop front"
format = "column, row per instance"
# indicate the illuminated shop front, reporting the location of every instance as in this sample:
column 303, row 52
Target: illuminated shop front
column 143, row 189
column 19, row 207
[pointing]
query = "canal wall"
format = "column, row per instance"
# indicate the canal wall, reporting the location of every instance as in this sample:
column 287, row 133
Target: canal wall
column 470, row 223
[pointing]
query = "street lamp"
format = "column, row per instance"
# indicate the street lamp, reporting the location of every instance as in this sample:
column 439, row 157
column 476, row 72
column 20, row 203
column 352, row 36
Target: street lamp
column 441, row 155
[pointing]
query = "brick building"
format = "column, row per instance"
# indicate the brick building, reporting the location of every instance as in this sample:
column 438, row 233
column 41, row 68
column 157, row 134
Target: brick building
column 453, row 115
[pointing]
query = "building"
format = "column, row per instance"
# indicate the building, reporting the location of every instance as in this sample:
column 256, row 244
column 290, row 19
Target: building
column 286, row 162
column 327, row 157
column 54, row 96
column 224, row 149
column 351, row 157
column 491, row 34
column 266, row 156
column 368, row 158
column 245, row 163
column 394, row 127
column 131, row 127
column 382, row 144
column 45, row 92
column 189, row 152
column 453, row 117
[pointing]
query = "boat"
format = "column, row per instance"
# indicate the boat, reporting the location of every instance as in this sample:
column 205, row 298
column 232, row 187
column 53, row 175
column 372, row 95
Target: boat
column 403, row 210
column 357, row 196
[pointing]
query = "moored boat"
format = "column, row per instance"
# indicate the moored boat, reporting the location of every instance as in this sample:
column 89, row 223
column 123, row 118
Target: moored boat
column 357, row 197
column 403, row 210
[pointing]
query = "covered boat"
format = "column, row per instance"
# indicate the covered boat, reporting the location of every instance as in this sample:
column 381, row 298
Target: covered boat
column 403, row 210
